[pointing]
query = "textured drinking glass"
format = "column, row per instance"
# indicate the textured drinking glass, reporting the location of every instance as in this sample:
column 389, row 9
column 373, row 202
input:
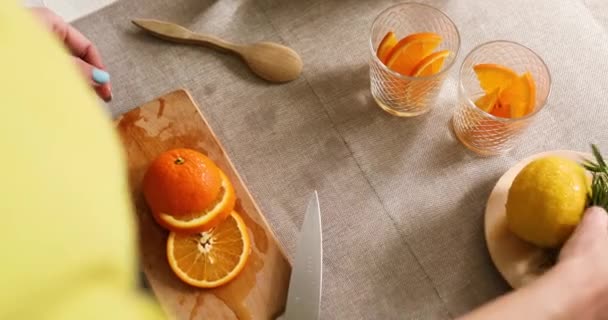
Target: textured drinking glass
column 480, row 131
column 402, row 95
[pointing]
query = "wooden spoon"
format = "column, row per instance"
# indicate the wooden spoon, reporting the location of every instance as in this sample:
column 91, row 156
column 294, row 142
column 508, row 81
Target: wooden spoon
column 268, row 60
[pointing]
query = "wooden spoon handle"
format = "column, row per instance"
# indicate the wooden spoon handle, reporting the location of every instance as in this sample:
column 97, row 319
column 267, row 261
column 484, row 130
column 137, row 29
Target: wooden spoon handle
column 176, row 33
column 214, row 42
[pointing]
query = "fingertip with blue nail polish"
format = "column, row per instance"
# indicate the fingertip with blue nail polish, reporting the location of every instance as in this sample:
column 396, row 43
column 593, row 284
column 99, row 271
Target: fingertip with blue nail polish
column 100, row 76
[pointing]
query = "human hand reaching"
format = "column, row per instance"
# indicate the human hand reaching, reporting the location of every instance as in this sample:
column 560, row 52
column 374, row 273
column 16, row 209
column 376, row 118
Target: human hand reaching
column 575, row 288
column 587, row 249
column 85, row 54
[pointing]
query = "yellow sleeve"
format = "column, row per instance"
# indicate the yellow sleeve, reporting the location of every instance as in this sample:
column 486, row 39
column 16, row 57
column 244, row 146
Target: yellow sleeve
column 103, row 302
column 67, row 243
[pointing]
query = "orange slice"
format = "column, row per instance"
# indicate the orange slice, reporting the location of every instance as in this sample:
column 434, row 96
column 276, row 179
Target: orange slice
column 501, row 110
column 386, row 45
column 202, row 220
column 520, row 96
column 211, row 258
column 494, row 76
column 431, row 64
column 516, row 94
column 408, row 52
column 488, row 101
column 491, row 104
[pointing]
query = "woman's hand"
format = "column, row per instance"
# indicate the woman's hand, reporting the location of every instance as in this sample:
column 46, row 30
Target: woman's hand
column 575, row 288
column 85, row 53
column 590, row 240
column 587, row 251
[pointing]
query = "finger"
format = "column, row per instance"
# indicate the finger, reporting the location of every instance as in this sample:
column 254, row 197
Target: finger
column 82, row 47
column 104, row 92
column 87, row 52
column 594, row 225
column 96, row 77
column 46, row 16
column 595, row 220
column 75, row 41
column 79, row 46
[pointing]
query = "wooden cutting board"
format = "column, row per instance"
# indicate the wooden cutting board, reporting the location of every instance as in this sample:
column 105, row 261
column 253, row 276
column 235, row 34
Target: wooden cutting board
column 259, row 292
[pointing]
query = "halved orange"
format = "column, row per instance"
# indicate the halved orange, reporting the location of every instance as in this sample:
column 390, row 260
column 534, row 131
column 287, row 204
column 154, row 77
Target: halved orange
column 205, row 219
column 186, row 191
column 494, row 76
column 181, row 181
column 386, row 45
column 520, row 96
column 210, row 258
column 408, row 52
column 431, row 64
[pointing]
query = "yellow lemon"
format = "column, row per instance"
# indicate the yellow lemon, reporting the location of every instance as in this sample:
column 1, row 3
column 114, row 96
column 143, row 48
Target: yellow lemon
column 546, row 201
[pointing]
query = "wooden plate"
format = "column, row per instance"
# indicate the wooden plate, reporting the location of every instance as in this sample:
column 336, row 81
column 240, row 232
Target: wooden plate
column 518, row 261
column 260, row 290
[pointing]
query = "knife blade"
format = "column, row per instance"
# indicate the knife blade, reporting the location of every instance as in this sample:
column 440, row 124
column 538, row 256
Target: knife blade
column 304, row 296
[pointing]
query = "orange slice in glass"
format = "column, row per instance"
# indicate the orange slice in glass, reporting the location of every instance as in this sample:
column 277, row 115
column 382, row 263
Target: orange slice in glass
column 386, row 46
column 516, row 94
column 408, row 52
column 494, row 76
column 488, row 101
column 431, row 64
column 211, row 258
column 501, row 110
column 520, row 96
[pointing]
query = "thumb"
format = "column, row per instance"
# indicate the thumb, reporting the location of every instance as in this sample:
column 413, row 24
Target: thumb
column 594, row 221
column 97, row 78
column 592, row 228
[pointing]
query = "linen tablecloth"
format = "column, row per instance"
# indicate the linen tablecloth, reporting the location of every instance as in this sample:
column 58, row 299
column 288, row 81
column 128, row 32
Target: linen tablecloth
column 402, row 200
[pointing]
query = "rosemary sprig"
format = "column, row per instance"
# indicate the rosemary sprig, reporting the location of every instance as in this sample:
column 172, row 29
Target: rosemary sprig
column 599, row 184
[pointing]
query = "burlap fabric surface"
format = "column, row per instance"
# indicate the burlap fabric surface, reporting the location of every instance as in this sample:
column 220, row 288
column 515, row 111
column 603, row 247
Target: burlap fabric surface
column 402, row 200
